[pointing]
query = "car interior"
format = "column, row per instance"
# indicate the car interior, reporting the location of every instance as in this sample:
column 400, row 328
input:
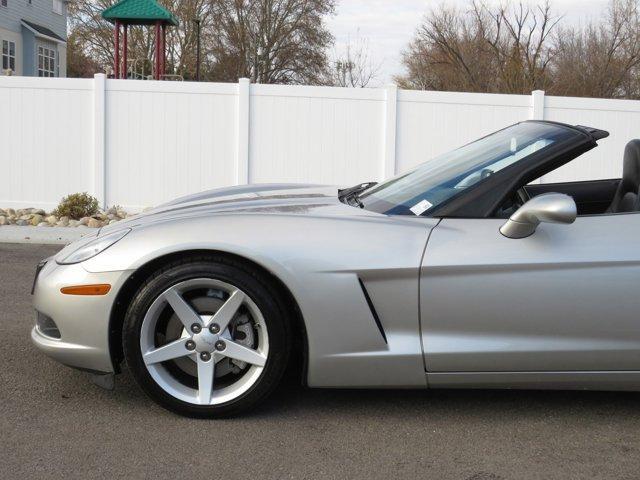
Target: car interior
column 595, row 197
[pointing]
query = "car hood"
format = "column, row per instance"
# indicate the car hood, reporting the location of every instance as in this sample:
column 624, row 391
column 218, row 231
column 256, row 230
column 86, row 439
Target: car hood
column 292, row 199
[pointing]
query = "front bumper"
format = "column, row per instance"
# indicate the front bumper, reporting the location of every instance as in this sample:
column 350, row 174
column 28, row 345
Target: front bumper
column 82, row 321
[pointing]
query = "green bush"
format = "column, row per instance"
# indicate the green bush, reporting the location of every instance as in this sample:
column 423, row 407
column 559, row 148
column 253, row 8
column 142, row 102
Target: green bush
column 76, row 206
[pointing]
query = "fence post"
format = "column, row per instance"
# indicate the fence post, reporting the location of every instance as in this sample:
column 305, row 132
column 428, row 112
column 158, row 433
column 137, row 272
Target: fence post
column 537, row 105
column 99, row 165
column 242, row 149
column 390, row 127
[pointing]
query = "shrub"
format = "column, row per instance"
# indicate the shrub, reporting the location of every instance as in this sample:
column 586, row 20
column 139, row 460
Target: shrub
column 76, row 206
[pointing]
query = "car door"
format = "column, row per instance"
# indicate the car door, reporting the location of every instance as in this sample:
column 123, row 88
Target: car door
column 564, row 299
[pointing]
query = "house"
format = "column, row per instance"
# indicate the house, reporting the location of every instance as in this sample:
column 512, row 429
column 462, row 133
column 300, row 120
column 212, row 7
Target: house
column 33, row 37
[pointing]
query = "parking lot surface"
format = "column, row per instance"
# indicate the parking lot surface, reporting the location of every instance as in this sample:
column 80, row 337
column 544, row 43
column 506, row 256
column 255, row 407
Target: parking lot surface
column 55, row 424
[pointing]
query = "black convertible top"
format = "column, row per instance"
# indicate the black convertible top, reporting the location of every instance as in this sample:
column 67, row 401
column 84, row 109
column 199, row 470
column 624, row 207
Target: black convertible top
column 596, row 133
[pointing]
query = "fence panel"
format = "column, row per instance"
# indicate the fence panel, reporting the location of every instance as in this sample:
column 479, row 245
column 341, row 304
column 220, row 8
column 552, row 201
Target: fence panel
column 167, row 143
column 621, row 118
column 141, row 143
column 315, row 134
column 46, row 140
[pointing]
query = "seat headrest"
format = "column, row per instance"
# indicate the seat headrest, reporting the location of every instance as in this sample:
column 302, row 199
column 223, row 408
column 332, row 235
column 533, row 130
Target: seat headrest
column 631, row 166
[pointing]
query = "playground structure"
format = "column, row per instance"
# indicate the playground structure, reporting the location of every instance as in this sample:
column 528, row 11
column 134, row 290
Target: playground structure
column 140, row 12
column 136, row 71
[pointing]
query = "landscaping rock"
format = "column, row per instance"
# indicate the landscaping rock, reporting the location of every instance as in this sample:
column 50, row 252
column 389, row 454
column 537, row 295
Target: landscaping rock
column 38, row 217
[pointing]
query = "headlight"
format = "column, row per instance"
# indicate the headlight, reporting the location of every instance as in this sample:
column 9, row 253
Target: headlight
column 93, row 248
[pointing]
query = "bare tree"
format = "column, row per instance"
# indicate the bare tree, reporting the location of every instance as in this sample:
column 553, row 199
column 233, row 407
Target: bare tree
column 482, row 49
column 353, row 66
column 93, row 36
column 182, row 41
column 447, row 53
column 79, row 64
column 600, row 60
column 270, row 41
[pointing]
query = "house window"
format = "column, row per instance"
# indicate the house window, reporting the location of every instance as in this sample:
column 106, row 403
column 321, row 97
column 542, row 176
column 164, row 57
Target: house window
column 8, row 55
column 46, row 62
column 58, row 7
column 3, row 3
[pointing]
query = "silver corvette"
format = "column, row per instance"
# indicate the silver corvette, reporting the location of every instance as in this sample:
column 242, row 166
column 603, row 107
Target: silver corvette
column 463, row 272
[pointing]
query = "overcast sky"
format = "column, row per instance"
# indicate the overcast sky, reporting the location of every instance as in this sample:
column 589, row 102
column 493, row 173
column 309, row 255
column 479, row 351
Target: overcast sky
column 389, row 24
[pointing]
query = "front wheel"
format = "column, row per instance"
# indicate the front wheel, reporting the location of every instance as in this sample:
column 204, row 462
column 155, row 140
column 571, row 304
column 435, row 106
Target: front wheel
column 206, row 337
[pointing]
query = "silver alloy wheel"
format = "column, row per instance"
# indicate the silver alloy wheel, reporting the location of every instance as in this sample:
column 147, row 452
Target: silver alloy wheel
column 201, row 344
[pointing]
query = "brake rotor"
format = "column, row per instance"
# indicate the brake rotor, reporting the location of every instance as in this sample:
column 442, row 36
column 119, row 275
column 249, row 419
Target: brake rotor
column 240, row 331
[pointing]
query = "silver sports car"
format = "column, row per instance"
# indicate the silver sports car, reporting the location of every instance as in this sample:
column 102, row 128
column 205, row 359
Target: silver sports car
column 463, row 272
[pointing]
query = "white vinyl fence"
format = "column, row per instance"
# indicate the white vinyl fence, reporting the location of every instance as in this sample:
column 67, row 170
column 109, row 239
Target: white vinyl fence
column 139, row 143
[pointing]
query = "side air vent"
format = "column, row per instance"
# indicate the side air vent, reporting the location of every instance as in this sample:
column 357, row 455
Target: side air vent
column 373, row 310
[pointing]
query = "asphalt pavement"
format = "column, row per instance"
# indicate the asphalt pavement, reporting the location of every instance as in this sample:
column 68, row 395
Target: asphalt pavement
column 55, row 424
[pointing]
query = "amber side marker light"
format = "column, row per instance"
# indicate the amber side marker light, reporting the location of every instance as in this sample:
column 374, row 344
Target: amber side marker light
column 100, row 289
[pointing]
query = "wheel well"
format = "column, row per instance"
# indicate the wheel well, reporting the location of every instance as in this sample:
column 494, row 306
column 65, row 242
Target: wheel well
column 298, row 359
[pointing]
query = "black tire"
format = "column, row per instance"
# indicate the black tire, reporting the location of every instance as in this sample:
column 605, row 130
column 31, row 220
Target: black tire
column 238, row 274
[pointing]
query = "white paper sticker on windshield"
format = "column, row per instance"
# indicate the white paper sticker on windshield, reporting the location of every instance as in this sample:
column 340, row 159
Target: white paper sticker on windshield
column 420, row 208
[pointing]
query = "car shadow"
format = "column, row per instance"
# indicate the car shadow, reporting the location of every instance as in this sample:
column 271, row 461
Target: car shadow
column 450, row 401
column 292, row 398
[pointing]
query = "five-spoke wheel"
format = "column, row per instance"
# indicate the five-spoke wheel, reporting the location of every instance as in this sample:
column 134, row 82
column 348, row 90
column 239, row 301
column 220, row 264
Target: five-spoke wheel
column 207, row 339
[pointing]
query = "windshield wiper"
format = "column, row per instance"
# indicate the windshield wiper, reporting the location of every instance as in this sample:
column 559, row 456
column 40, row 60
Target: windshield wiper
column 351, row 194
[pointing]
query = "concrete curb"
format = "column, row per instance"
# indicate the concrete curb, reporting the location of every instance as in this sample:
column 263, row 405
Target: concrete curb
column 43, row 235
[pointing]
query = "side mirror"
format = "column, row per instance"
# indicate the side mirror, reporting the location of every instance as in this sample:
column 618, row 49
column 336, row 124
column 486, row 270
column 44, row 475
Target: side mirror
column 549, row 207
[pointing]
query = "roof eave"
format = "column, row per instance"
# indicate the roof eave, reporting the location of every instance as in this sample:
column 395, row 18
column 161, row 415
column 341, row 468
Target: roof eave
column 42, row 35
column 136, row 21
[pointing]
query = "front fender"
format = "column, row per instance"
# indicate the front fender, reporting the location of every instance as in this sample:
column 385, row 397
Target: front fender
column 321, row 260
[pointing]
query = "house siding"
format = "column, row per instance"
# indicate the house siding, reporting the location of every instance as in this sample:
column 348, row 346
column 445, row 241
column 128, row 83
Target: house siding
column 39, row 12
column 29, row 53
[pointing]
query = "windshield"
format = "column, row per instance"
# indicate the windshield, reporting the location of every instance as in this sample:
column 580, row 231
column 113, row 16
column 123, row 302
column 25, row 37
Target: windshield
column 435, row 181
